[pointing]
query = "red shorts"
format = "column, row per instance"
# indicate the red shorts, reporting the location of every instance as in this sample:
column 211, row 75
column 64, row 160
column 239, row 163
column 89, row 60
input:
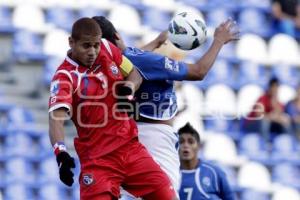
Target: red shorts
column 130, row 166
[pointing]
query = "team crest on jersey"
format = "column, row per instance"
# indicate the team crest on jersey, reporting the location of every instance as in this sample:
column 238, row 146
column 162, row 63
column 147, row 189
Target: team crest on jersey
column 54, row 88
column 87, row 179
column 114, row 69
column 206, row 181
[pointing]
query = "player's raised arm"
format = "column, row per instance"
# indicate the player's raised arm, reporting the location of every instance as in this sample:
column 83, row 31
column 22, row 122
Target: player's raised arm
column 224, row 33
column 157, row 42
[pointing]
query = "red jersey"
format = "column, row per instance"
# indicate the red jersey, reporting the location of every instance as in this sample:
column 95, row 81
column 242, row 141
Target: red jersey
column 88, row 94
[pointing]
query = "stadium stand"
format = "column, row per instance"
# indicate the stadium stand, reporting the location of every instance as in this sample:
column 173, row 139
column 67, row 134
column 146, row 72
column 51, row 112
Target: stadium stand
column 34, row 39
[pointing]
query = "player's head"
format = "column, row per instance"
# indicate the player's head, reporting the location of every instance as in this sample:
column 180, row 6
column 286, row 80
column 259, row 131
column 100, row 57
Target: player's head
column 85, row 41
column 273, row 86
column 109, row 32
column 189, row 143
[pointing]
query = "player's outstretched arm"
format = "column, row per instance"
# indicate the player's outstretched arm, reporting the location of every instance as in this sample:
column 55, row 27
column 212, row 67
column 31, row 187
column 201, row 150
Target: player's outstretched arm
column 157, row 42
column 56, row 132
column 224, row 33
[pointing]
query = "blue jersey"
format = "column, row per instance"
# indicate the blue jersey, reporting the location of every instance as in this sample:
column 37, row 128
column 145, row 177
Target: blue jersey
column 205, row 182
column 156, row 97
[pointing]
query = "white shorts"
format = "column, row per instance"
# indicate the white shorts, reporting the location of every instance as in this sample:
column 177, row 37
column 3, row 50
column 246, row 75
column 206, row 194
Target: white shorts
column 161, row 141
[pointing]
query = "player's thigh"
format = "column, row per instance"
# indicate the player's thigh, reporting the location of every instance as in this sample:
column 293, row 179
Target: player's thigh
column 102, row 196
column 143, row 175
column 165, row 193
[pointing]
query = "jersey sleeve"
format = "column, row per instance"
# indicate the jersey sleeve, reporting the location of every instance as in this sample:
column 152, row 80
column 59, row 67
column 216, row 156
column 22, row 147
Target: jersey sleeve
column 61, row 90
column 226, row 192
column 116, row 53
column 154, row 66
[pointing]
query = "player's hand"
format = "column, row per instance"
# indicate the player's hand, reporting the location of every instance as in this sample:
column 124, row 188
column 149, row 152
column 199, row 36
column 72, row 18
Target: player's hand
column 226, row 32
column 65, row 163
column 125, row 96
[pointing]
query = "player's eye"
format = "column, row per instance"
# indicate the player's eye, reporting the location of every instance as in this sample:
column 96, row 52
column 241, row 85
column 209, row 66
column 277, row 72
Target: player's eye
column 86, row 45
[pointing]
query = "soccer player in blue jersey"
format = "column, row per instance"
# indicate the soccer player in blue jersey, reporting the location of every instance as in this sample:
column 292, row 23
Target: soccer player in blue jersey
column 156, row 99
column 200, row 180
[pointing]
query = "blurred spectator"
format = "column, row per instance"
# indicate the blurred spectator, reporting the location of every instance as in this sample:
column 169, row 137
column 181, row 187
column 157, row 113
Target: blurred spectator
column 200, row 179
column 293, row 110
column 287, row 16
column 267, row 115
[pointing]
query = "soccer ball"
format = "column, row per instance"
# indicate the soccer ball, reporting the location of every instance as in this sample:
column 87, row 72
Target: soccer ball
column 187, row 31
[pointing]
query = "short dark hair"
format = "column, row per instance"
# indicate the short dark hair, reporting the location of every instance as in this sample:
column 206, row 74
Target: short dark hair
column 189, row 129
column 273, row 81
column 85, row 26
column 108, row 29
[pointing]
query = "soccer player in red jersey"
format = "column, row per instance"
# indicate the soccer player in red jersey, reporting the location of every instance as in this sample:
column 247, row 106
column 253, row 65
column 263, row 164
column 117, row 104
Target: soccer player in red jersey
column 110, row 155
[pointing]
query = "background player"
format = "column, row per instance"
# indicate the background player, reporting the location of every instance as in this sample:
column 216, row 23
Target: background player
column 200, row 180
column 156, row 99
column 108, row 149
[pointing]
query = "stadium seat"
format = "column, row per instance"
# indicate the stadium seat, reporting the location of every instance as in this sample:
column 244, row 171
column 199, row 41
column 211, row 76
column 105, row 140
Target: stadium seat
column 246, row 98
column 256, row 176
column 29, row 17
column 231, row 176
column 220, row 100
column 52, row 191
column 253, row 194
column 30, row 46
column 254, row 147
column 50, row 67
column 195, row 104
column 263, row 5
column 252, row 48
column 157, row 19
column 285, row 148
column 56, row 43
column 61, row 18
column 285, row 193
column 131, row 24
column 219, row 74
column 217, row 15
column 287, row 74
column 18, row 191
column 254, row 26
column 6, row 25
column 252, row 73
column 90, row 12
column 225, row 152
column 19, row 170
column 48, row 171
column 286, row 93
column 168, row 5
column 104, row 5
column 20, row 144
column 189, row 116
column 19, row 115
column 286, row 174
column 283, row 49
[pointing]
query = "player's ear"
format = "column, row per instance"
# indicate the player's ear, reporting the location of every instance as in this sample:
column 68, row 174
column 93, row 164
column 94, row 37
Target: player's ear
column 71, row 42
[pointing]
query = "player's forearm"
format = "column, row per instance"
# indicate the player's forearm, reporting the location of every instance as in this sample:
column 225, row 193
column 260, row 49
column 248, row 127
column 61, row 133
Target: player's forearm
column 134, row 80
column 56, row 126
column 199, row 70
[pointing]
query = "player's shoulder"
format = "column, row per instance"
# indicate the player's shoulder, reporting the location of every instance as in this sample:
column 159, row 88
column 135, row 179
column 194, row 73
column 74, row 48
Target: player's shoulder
column 209, row 166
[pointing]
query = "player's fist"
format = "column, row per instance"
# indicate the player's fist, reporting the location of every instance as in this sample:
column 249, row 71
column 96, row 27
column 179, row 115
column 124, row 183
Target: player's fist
column 125, row 96
column 65, row 163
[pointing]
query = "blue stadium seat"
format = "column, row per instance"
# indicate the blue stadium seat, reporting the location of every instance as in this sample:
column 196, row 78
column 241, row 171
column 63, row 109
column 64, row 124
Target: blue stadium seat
column 252, row 194
column 285, row 148
column 252, row 20
column 287, row 74
column 252, row 73
column 18, row 115
column 19, row 170
column 264, row 5
column 156, row 19
column 18, row 191
column 52, row 191
column 254, row 147
column 50, row 67
column 48, row 171
column 286, row 174
column 219, row 74
column 18, row 143
column 29, row 46
column 137, row 4
column 62, row 18
column 90, row 12
column 217, row 15
column 6, row 25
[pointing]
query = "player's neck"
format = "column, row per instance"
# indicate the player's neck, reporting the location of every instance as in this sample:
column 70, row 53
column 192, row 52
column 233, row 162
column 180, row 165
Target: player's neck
column 189, row 164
